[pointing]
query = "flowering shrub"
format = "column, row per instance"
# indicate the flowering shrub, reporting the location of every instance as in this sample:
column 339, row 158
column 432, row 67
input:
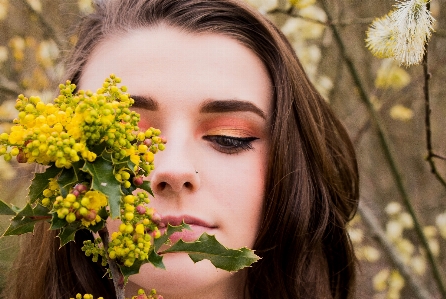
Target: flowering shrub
column 96, row 162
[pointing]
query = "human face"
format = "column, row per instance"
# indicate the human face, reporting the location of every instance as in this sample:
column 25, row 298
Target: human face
column 211, row 98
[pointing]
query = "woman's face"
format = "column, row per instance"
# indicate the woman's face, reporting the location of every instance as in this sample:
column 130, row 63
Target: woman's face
column 211, row 97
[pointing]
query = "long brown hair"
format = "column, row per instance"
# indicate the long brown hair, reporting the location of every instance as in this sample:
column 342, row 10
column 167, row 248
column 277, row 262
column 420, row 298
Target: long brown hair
column 312, row 180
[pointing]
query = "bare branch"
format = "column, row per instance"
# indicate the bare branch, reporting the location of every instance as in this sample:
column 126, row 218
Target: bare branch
column 373, row 224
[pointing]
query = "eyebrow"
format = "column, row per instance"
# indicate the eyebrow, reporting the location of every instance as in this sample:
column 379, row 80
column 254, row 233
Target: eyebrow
column 209, row 106
column 222, row 106
column 145, row 103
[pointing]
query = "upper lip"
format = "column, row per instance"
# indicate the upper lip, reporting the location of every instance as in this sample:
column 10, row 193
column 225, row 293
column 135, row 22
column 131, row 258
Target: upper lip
column 191, row 220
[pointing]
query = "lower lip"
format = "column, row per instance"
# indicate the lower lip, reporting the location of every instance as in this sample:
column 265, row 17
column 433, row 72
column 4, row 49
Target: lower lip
column 188, row 235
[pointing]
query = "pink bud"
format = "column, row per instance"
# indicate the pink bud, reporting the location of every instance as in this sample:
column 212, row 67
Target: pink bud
column 81, row 188
column 90, row 216
column 75, row 192
column 21, row 158
column 138, row 180
column 148, row 142
column 141, row 209
column 163, row 139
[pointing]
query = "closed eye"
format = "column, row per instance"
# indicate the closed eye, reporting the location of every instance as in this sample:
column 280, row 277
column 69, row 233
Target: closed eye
column 230, row 144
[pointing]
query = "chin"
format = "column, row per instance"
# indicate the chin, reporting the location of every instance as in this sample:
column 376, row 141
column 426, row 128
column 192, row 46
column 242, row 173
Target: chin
column 184, row 279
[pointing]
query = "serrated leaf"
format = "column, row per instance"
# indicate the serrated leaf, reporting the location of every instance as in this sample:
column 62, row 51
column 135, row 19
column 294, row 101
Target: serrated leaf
column 41, row 181
column 67, row 233
column 66, row 180
column 207, row 247
column 169, row 231
column 5, row 209
column 41, row 211
column 146, row 186
column 104, row 181
column 156, row 260
column 97, row 227
column 20, row 225
column 57, row 223
column 25, row 211
column 124, row 163
column 134, row 269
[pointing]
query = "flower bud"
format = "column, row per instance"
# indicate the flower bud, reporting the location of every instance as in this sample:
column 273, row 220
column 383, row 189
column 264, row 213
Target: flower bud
column 138, row 180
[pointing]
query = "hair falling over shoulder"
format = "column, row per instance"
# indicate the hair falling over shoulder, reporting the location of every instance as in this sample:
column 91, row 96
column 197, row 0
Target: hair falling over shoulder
column 312, row 180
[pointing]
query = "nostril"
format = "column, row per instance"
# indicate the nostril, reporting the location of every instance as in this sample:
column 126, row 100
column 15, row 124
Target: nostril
column 188, row 185
column 162, row 186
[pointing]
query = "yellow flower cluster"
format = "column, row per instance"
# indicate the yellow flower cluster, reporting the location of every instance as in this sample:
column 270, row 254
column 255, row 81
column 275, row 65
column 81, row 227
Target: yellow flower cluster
column 141, row 295
column 66, row 131
column 80, row 204
column 133, row 241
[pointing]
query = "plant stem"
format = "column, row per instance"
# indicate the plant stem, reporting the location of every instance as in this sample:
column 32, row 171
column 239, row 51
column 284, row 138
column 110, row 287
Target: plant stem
column 372, row 222
column 430, row 154
column 118, row 278
column 387, row 153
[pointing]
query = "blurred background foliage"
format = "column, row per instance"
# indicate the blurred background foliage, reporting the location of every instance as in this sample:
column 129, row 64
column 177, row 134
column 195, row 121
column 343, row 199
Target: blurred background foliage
column 35, row 35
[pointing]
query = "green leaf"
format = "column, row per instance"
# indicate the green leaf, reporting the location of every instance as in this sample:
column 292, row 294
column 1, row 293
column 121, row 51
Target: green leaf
column 124, row 163
column 41, row 211
column 104, row 181
column 163, row 239
column 26, row 211
column 41, row 181
column 134, row 269
column 207, row 247
column 156, row 259
column 97, row 227
column 5, row 209
column 57, row 223
column 146, row 186
column 66, row 180
column 67, row 233
column 20, row 225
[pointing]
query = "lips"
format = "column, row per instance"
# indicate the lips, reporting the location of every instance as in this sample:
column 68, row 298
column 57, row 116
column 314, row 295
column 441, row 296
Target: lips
column 198, row 227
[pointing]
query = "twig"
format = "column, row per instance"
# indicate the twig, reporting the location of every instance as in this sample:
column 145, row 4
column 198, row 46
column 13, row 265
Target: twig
column 118, row 278
column 427, row 120
column 388, row 155
column 372, row 222
column 48, row 30
column 291, row 13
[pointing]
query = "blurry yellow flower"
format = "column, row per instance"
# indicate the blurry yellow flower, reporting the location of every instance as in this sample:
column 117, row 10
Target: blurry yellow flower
column 35, row 4
column 85, row 6
column 6, row 170
column 3, row 9
column 17, row 45
column 391, row 75
column 396, row 281
column 405, row 247
column 3, row 53
column 394, row 230
column 370, row 253
column 356, row 235
column 406, row 220
column 47, row 53
column 393, row 208
column 263, row 5
column 418, row 264
column 380, row 280
column 430, row 231
column 399, row 112
column 434, row 246
column 302, row 3
column 441, row 223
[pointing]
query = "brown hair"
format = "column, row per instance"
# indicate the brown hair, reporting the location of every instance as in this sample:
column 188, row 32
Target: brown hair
column 312, row 180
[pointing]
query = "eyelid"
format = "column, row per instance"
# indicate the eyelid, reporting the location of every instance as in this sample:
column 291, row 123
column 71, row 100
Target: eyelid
column 230, row 144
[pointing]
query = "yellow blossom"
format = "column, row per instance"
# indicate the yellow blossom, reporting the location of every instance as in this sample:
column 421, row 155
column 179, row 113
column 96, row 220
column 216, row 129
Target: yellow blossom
column 400, row 112
column 380, row 280
column 390, row 75
column 97, row 200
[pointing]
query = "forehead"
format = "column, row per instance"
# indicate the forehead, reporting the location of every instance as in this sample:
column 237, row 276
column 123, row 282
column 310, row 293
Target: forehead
column 169, row 61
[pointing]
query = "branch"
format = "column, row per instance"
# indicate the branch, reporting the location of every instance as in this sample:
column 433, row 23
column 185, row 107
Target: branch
column 372, row 222
column 291, row 13
column 118, row 278
column 48, row 30
column 427, row 121
column 385, row 145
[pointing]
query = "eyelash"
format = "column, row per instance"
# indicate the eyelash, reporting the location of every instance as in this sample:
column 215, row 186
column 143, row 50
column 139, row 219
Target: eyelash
column 230, row 145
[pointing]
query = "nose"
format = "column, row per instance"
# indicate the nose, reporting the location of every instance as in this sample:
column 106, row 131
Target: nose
column 174, row 171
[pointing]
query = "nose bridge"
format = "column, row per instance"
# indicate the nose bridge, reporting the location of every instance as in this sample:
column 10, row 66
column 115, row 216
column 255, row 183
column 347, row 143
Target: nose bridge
column 174, row 167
